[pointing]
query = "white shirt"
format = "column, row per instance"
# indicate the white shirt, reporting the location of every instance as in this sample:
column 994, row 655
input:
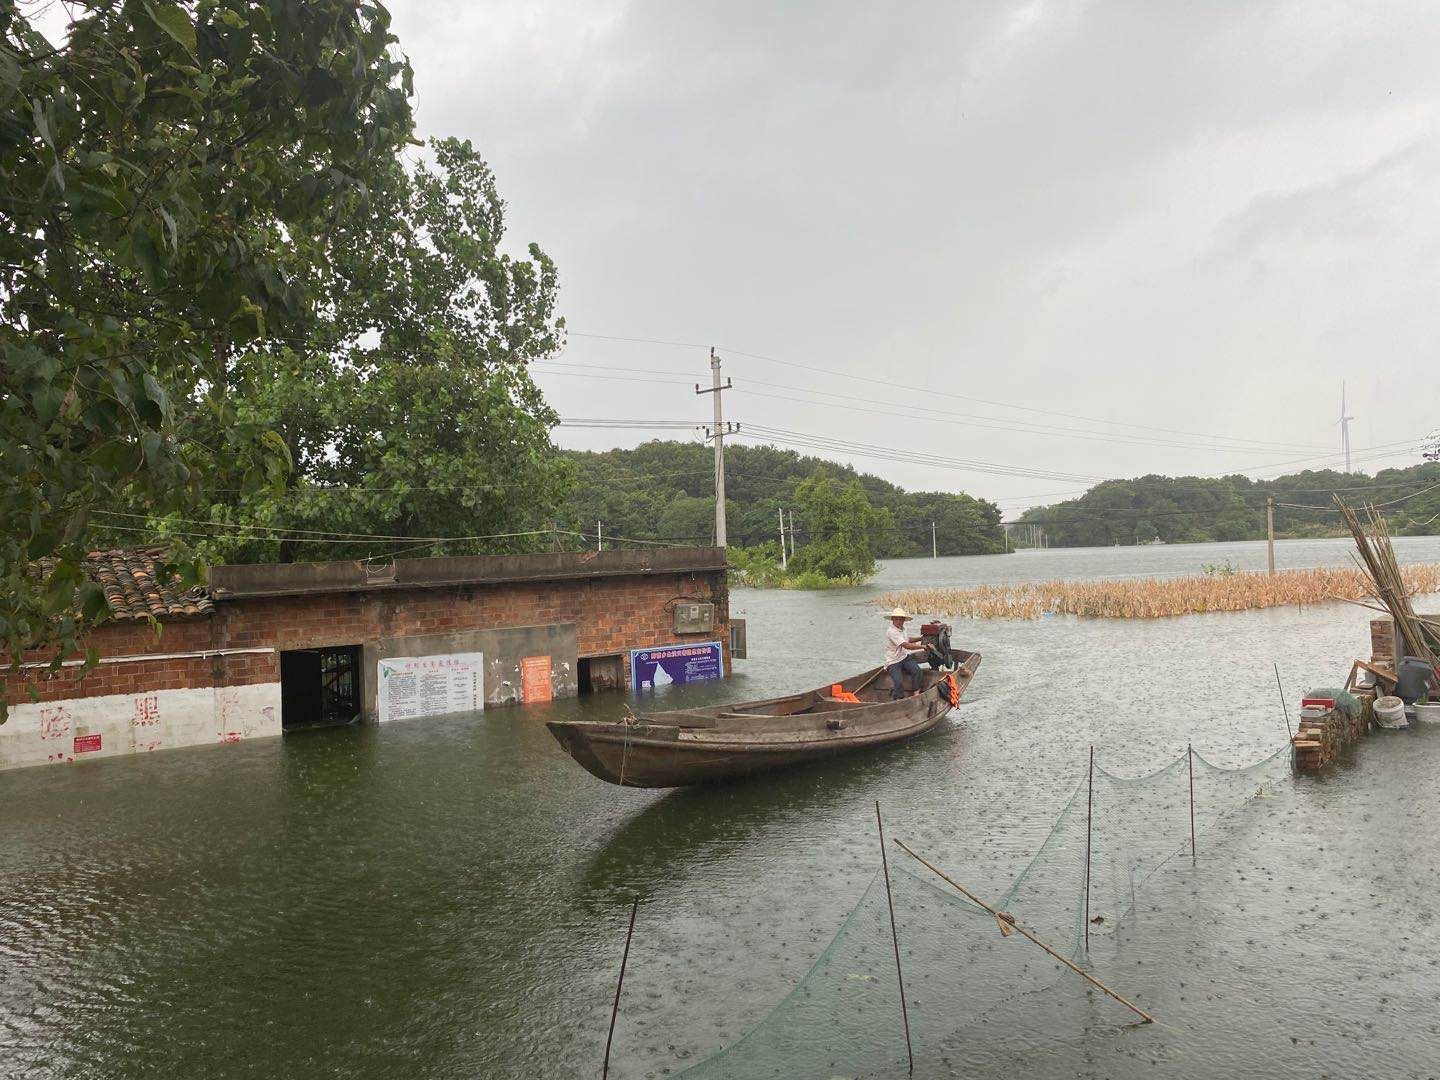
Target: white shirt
column 894, row 645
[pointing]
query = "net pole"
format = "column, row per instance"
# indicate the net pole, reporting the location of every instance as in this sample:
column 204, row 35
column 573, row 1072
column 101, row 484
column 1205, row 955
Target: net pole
column 615, row 1009
column 1284, row 709
column 1190, row 758
column 1089, row 803
column 1010, row 920
column 894, row 938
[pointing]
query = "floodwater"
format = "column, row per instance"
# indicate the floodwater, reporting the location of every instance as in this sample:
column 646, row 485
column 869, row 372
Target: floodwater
column 448, row 898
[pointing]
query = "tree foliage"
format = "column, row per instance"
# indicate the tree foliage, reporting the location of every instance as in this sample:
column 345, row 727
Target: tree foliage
column 664, row 490
column 844, row 529
column 1187, row 509
column 156, row 168
column 406, row 404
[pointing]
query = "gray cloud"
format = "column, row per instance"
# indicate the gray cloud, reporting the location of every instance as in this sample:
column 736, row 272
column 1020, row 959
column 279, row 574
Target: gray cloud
column 1184, row 216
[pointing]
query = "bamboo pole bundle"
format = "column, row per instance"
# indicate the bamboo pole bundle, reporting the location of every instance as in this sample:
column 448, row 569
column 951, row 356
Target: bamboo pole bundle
column 1388, row 585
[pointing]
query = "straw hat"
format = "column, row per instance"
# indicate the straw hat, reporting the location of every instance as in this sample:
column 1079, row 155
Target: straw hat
column 900, row 613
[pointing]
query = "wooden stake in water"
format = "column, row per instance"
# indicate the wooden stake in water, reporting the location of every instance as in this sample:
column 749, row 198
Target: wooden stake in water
column 894, row 937
column 615, row 1009
column 1284, row 709
column 1089, row 804
column 1005, row 917
column 1190, row 758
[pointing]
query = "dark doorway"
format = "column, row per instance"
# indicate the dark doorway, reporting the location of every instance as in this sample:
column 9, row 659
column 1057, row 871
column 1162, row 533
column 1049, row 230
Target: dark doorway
column 595, row 673
column 319, row 687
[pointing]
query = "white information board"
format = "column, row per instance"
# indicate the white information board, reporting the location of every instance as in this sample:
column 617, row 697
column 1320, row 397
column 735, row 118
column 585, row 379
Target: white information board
column 411, row 686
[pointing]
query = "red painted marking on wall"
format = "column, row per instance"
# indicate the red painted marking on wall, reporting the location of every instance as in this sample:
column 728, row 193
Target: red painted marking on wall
column 54, row 722
column 147, row 711
column 84, row 744
column 230, row 736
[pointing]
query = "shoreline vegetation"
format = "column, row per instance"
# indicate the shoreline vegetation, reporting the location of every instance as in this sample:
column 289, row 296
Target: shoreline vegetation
column 759, row 568
column 1156, row 598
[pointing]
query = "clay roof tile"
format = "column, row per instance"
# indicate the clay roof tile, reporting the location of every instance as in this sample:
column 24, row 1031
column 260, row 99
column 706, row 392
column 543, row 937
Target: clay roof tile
column 136, row 589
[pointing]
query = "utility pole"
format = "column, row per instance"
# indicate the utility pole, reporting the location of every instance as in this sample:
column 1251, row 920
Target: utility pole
column 934, row 544
column 599, row 537
column 718, row 434
column 791, row 515
column 783, row 562
column 1345, row 419
column 1270, row 528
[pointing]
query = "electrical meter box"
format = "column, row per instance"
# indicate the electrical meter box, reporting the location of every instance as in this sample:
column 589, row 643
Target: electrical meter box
column 694, row 618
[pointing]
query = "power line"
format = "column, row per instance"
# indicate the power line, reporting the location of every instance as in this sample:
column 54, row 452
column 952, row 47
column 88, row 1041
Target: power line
column 960, row 397
column 909, row 411
column 992, row 467
column 1377, row 506
column 358, row 538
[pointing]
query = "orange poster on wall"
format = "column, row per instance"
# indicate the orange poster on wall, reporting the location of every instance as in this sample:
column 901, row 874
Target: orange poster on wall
column 535, row 679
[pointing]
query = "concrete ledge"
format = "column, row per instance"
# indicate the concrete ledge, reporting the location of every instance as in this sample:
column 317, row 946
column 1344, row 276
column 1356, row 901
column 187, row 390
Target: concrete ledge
column 292, row 579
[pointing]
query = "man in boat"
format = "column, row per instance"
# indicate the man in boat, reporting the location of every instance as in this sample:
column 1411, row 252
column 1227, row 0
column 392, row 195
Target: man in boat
column 900, row 654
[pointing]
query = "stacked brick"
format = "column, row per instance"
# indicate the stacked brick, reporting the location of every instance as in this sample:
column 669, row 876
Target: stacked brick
column 1320, row 740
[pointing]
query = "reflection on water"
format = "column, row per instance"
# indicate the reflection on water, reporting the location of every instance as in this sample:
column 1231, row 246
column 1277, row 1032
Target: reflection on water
column 447, row 898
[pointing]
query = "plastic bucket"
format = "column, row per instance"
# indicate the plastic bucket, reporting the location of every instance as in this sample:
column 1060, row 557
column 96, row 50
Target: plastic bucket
column 1430, row 713
column 1390, row 712
column 1314, row 712
column 1364, row 680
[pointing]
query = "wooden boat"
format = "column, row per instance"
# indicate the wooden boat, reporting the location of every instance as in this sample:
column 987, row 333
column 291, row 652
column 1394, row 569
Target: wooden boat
column 696, row 746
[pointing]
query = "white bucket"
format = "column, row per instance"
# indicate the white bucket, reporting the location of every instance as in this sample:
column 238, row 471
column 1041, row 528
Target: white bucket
column 1365, row 680
column 1390, row 712
column 1429, row 714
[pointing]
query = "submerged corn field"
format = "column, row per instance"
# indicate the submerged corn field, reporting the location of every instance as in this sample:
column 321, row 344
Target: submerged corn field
column 1154, row 598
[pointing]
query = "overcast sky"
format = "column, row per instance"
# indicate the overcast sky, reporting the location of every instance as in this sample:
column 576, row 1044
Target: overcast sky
column 1192, row 217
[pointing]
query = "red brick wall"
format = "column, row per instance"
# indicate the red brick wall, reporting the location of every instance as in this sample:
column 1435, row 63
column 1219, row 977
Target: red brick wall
column 133, row 639
column 610, row 615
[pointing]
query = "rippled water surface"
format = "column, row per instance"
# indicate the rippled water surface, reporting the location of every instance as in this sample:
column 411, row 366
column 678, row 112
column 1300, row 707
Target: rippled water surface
column 447, row 898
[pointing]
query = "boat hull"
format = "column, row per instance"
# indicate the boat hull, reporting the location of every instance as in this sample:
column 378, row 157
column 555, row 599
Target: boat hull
column 705, row 746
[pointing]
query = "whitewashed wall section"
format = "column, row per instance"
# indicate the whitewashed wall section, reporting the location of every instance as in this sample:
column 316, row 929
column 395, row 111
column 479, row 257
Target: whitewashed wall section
column 80, row 729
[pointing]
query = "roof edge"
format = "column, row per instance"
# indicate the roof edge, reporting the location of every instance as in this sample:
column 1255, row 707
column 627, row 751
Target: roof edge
column 242, row 581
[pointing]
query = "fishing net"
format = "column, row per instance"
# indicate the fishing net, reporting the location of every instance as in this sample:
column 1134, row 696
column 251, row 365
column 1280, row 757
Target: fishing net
column 1345, row 701
column 843, row 1019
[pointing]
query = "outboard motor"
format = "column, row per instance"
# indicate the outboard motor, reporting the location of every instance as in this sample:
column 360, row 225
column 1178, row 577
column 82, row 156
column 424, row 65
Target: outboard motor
column 935, row 636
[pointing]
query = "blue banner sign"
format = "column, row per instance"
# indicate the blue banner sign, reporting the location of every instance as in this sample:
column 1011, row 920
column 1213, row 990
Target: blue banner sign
column 665, row 664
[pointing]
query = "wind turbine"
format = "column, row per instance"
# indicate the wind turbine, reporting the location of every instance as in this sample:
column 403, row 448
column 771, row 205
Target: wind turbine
column 1345, row 427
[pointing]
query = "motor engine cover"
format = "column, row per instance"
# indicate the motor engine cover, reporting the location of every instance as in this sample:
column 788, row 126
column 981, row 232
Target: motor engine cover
column 935, row 636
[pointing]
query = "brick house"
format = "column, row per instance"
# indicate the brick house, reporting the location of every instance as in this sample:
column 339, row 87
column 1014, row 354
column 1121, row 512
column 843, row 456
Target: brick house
column 264, row 648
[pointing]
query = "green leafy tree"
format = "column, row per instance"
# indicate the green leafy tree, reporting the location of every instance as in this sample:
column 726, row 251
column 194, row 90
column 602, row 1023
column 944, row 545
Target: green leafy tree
column 1184, row 509
column 843, row 529
column 664, row 490
column 159, row 171
column 408, row 407
column 963, row 525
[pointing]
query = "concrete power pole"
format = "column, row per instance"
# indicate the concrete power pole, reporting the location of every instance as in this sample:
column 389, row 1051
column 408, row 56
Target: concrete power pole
column 1270, row 528
column 783, row 562
column 934, row 544
column 718, row 434
column 790, row 514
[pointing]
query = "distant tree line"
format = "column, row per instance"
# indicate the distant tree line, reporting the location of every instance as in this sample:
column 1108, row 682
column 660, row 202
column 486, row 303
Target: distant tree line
column 665, row 491
column 1195, row 509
